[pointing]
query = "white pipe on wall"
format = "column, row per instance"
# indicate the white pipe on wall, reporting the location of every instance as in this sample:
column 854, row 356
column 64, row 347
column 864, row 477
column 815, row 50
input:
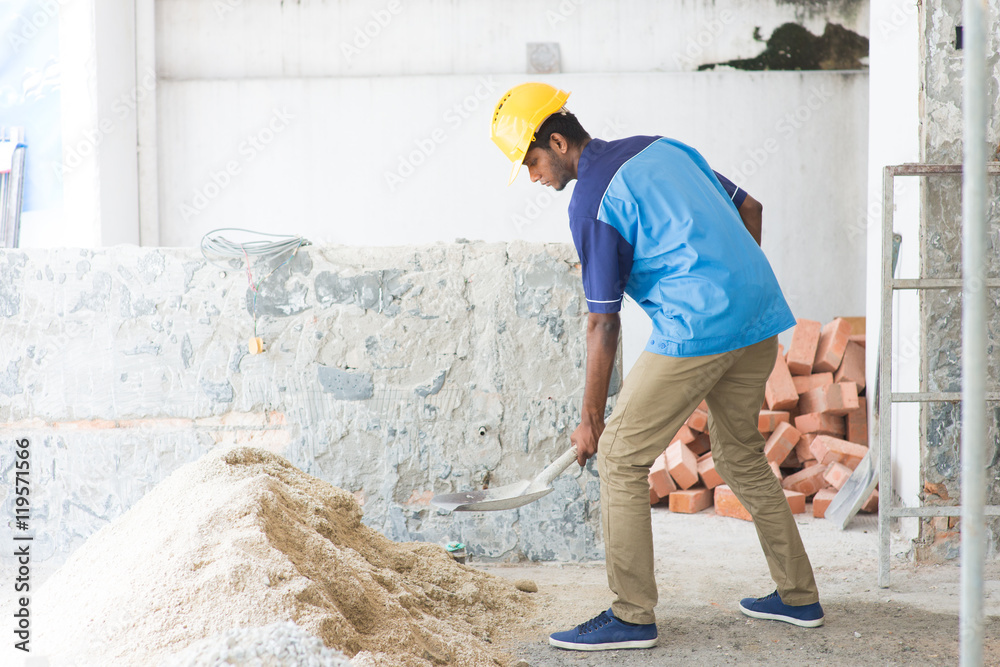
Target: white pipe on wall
column 145, row 79
column 973, row 333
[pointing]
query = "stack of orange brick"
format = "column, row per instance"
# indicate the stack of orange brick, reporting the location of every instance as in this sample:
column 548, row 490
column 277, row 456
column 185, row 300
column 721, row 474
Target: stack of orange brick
column 814, row 420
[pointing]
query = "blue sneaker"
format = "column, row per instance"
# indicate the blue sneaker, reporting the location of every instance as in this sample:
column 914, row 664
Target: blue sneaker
column 604, row 632
column 772, row 608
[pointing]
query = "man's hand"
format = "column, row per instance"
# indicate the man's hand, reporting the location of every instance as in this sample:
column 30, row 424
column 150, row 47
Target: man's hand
column 602, row 345
column 585, row 439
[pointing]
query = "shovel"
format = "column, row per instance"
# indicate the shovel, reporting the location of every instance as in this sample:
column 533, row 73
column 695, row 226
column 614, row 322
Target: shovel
column 509, row 496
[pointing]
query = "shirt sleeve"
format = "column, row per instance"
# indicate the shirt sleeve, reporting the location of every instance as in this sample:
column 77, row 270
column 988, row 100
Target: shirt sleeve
column 606, row 262
column 736, row 193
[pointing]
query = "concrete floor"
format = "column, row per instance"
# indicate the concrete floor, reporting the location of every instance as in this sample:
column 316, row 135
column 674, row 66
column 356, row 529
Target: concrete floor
column 706, row 563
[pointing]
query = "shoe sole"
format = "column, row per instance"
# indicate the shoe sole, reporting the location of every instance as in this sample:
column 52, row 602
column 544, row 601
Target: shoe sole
column 611, row 646
column 787, row 619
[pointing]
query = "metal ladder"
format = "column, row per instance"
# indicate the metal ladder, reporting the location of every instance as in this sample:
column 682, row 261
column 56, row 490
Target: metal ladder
column 886, row 510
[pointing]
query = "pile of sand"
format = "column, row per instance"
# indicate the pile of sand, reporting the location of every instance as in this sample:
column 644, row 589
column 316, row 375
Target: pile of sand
column 243, row 539
column 276, row 645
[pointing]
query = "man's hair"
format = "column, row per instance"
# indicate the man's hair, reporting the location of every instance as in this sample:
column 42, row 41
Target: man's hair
column 561, row 122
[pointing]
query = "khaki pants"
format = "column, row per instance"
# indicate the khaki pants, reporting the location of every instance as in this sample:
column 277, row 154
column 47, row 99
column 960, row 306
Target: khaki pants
column 658, row 395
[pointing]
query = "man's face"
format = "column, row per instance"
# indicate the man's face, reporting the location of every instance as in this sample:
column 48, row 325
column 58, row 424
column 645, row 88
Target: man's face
column 549, row 167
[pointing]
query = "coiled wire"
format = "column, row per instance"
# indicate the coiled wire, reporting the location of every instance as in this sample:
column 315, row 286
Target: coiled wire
column 213, row 243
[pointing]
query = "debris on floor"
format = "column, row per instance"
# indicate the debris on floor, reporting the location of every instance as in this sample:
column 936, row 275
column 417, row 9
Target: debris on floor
column 814, row 419
column 243, row 539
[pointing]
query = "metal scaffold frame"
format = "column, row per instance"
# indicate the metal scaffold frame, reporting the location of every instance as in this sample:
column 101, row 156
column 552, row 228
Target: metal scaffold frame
column 887, row 397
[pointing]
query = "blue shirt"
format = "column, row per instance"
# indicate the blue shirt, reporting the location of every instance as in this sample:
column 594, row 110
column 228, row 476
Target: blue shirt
column 652, row 220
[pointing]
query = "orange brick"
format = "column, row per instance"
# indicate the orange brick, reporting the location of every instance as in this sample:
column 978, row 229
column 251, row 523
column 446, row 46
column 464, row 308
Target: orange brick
column 822, row 500
column 701, row 444
column 832, row 344
column 726, row 504
column 857, row 324
column 837, row 475
column 659, row 478
column 781, row 443
column 852, row 366
column 706, row 469
column 791, row 461
column 796, row 501
column 802, row 451
column 779, row 392
column 691, row 500
column 768, row 420
column 813, row 400
column 828, row 449
column 802, row 350
column 804, row 383
column 703, row 406
column 685, row 435
column 857, row 423
column 808, row 480
column 834, row 399
column 776, row 469
column 841, row 398
column 816, row 422
column 653, row 498
column 682, row 465
column 698, row 421
column 857, row 338
column 871, row 505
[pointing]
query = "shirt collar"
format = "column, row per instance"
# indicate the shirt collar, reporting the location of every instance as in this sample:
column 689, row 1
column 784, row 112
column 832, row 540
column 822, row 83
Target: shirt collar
column 590, row 152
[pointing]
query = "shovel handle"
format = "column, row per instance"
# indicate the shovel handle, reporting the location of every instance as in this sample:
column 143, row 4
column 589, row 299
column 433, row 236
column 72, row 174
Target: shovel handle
column 556, row 468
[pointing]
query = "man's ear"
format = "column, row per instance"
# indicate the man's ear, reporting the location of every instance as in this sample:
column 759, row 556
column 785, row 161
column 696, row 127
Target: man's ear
column 558, row 143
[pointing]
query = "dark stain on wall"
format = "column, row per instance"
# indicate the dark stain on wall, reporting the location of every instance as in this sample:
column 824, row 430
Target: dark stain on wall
column 792, row 47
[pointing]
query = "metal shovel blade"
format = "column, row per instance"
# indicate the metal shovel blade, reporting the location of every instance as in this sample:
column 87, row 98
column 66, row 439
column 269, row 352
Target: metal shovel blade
column 501, row 498
column 855, row 491
column 509, row 496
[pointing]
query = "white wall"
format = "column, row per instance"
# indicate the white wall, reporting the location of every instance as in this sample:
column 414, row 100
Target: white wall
column 318, row 157
column 894, row 132
column 367, row 122
column 118, row 91
column 199, row 39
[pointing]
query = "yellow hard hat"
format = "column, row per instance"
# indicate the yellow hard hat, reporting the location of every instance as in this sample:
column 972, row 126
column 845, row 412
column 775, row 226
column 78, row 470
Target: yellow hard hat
column 518, row 114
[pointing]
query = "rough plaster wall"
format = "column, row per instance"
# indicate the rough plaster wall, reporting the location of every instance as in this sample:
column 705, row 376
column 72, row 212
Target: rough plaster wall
column 382, row 369
column 941, row 256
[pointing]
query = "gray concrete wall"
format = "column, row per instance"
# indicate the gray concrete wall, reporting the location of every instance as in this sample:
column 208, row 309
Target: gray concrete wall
column 941, row 256
column 394, row 373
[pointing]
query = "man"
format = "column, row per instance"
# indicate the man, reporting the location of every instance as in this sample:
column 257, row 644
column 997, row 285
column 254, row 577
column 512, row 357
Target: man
column 652, row 220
